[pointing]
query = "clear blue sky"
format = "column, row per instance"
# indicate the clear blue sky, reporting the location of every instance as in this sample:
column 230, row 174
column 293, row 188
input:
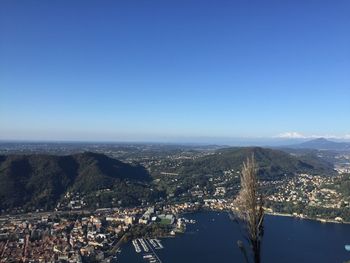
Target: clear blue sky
column 169, row 70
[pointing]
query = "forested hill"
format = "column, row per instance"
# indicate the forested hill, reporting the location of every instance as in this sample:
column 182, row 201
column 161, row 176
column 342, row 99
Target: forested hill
column 272, row 163
column 41, row 180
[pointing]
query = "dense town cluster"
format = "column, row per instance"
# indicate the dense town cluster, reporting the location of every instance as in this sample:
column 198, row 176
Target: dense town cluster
column 310, row 190
column 310, row 196
column 75, row 236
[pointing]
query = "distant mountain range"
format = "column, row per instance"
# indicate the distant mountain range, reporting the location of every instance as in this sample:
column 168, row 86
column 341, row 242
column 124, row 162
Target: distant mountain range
column 322, row 144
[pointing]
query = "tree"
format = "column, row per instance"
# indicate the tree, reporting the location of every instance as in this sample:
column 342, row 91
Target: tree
column 250, row 212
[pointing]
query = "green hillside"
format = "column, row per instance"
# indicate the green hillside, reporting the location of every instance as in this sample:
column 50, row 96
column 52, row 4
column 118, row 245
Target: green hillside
column 41, row 180
column 272, row 163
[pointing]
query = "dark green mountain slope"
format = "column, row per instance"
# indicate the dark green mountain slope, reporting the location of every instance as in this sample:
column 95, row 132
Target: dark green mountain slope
column 272, row 163
column 41, row 180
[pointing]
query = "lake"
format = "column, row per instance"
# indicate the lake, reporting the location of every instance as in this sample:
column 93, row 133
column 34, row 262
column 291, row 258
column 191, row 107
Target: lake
column 287, row 240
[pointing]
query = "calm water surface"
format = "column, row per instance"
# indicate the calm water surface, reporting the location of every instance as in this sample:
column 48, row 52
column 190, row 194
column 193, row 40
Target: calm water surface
column 287, row 240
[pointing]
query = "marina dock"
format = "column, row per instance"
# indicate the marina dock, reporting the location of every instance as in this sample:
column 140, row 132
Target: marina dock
column 149, row 247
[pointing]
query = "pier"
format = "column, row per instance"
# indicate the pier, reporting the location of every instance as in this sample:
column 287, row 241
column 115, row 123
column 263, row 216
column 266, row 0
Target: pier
column 148, row 247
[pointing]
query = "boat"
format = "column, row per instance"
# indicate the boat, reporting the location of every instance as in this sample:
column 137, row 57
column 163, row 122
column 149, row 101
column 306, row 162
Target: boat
column 136, row 246
column 153, row 243
column 347, row 248
column 143, row 244
column 160, row 246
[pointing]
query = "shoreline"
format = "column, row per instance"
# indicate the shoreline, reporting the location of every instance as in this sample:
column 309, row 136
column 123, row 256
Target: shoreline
column 321, row 220
column 33, row 214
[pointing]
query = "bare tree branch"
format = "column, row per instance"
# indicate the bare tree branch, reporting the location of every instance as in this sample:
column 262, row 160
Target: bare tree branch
column 249, row 205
